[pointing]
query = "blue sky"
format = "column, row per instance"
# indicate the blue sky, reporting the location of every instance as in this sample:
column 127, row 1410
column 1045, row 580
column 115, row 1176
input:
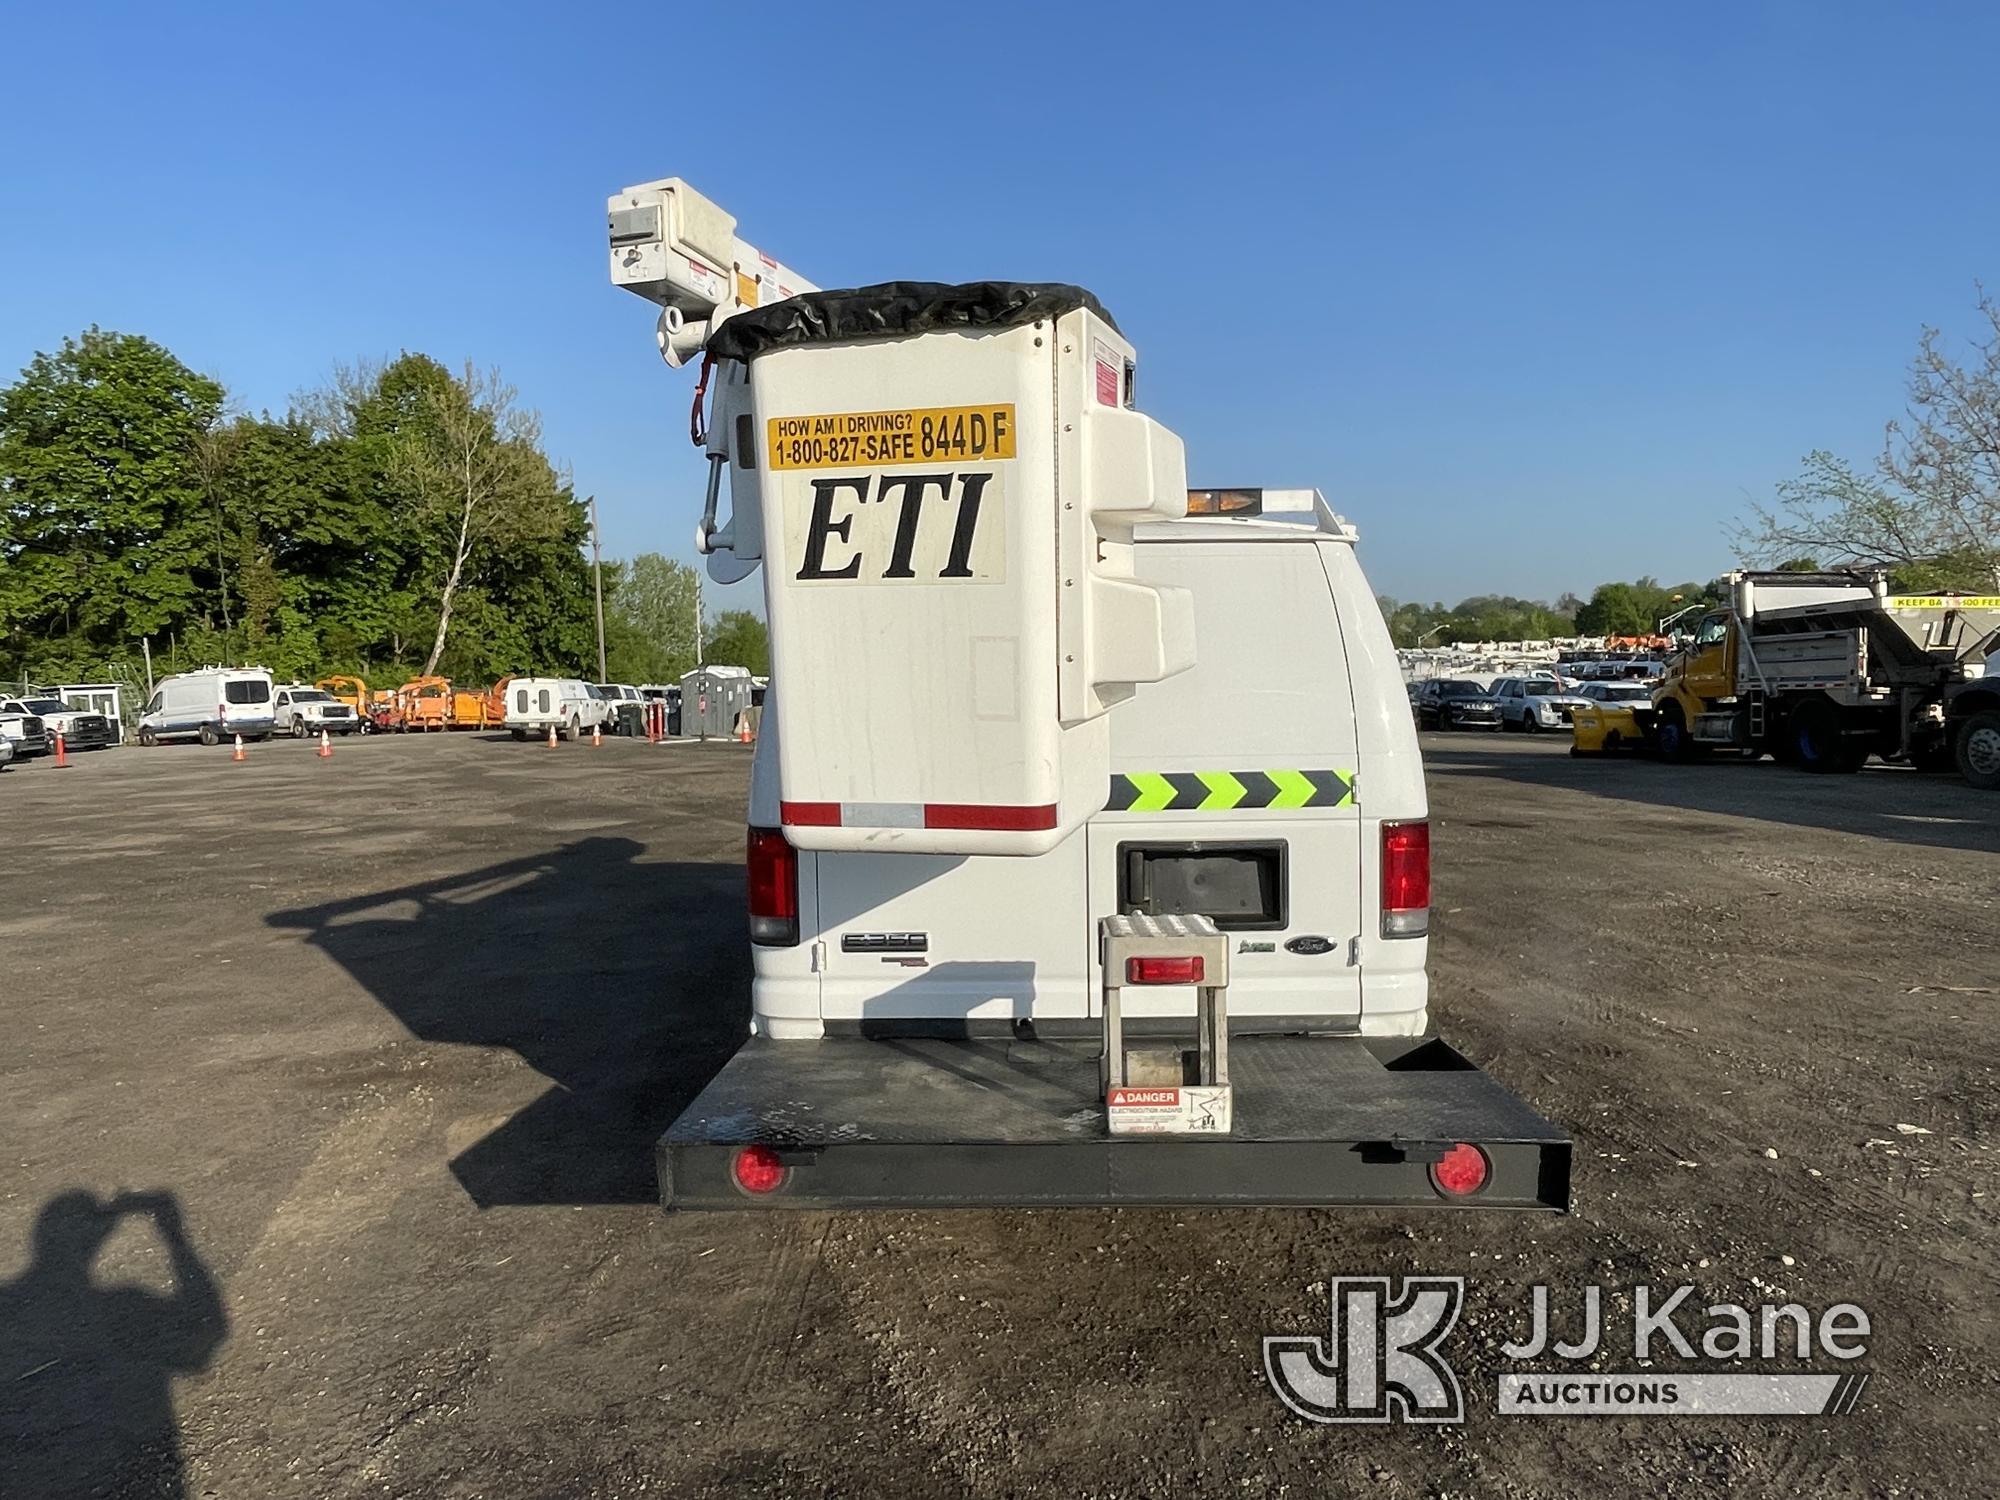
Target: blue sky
column 1539, row 295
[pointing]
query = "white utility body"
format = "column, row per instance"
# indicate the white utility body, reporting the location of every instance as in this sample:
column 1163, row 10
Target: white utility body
column 1028, row 710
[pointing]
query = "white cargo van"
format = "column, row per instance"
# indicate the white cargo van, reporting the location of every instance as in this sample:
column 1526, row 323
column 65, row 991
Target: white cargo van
column 211, row 705
column 1236, row 791
column 568, row 705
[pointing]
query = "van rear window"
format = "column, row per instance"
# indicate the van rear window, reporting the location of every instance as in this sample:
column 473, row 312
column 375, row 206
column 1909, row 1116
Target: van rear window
column 1238, row 885
column 253, row 690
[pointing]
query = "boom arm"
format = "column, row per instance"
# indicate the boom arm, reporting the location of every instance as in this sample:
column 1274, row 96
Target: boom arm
column 672, row 246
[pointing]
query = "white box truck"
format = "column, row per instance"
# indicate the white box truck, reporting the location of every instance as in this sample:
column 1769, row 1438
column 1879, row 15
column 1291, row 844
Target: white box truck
column 1063, row 767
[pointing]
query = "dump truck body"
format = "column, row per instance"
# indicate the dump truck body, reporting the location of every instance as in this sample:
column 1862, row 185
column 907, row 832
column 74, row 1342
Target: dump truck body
column 1825, row 669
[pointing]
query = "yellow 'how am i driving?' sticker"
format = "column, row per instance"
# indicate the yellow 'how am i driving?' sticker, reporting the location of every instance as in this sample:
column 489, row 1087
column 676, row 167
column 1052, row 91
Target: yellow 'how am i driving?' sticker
column 938, row 434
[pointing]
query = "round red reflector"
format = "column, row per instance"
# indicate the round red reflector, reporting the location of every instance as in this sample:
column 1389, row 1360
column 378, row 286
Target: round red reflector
column 1463, row 1170
column 757, row 1170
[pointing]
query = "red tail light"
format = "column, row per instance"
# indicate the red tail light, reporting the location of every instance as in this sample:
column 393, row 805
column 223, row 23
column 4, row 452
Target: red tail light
column 1462, row 1171
column 1406, row 879
column 773, row 866
column 757, row 1170
column 1186, row 970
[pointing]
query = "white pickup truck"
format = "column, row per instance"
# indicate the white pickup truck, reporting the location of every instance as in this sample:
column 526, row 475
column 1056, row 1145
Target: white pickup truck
column 302, row 710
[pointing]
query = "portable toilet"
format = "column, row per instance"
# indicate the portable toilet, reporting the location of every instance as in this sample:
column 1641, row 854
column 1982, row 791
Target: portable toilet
column 711, row 698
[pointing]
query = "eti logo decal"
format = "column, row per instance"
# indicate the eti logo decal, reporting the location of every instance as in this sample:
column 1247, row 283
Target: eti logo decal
column 923, row 528
column 1380, row 1363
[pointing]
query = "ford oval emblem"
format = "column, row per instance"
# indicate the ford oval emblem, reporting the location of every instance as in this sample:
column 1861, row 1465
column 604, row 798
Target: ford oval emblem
column 1312, row 945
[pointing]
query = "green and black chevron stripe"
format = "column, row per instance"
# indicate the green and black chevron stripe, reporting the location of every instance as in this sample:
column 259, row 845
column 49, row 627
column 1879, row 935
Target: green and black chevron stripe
column 1226, row 791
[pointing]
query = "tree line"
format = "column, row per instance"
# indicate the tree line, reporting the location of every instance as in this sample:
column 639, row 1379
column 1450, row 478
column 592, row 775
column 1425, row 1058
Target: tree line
column 402, row 520
column 1634, row 608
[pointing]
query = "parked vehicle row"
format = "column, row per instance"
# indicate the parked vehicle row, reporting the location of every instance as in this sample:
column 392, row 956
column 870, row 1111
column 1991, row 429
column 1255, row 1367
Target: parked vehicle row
column 81, row 729
column 217, row 704
column 1530, row 703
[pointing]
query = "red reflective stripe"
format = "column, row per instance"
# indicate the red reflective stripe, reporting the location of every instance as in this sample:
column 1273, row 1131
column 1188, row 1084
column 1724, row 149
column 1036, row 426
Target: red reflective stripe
column 810, row 814
column 981, row 815
column 978, row 815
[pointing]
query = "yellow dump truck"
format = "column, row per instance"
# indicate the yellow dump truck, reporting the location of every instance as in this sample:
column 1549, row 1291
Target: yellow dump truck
column 1825, row 669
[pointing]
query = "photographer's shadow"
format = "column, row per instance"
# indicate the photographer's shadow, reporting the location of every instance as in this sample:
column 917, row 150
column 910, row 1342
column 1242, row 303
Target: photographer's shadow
column 87, row 1370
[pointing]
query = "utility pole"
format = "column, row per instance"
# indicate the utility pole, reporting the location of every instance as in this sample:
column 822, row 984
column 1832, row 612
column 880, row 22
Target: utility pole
column 146, row 650
column 597, row 572
column 698, row 662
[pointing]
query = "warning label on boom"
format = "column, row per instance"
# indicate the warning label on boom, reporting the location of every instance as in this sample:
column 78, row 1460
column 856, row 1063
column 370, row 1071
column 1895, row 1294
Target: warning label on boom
column 879, row 438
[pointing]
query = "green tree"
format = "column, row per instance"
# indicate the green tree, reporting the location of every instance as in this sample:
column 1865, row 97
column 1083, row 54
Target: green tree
column 132, row 502
column 740, row 639
column 649, row 618
column 1615, row 609
column 105, row 532
column 1929, row 505
column 471, row 469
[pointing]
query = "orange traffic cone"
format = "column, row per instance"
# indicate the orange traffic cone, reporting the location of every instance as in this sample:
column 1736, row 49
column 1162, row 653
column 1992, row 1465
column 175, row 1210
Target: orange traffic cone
column 325, row 746
column 62, row 751
column 596, row 735
column 552, row 736
column 239, row 755
column 743, row 734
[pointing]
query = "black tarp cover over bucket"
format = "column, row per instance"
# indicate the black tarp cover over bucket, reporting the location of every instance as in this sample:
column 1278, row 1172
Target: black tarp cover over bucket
column 891, row 309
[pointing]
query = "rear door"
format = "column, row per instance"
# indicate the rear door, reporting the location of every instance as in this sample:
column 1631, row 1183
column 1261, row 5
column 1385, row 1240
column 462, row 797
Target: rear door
column 979, row 938
column 1236, row 786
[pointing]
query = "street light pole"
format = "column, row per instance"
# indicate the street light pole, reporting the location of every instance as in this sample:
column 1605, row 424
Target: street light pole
column 597, row 572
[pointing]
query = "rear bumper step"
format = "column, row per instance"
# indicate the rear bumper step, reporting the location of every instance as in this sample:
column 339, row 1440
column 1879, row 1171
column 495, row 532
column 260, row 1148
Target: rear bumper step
column 987, row 1122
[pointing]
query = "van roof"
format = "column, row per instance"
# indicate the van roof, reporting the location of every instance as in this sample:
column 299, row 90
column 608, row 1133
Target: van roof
column 1287, row 516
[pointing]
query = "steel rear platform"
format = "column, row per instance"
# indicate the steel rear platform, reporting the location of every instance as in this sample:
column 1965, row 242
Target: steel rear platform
column 927, row 1122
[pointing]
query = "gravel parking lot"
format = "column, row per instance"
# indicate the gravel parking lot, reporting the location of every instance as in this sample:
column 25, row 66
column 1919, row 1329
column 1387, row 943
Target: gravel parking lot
column 343, row 1074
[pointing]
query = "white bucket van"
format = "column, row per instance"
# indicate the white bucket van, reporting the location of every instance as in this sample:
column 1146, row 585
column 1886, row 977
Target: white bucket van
column 569, row 705
column 211, row 705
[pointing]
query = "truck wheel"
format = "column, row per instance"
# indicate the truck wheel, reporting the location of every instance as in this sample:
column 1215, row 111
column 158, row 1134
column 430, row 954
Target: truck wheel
column 1671, row 732
column 1529, row 723
column 148, row 739
column 298, row 729
column 1818, row 742
column 209, row 735
column 1979, row 750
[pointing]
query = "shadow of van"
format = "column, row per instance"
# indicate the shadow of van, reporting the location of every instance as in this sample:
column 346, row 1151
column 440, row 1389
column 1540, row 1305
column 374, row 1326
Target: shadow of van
column 624, row 982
